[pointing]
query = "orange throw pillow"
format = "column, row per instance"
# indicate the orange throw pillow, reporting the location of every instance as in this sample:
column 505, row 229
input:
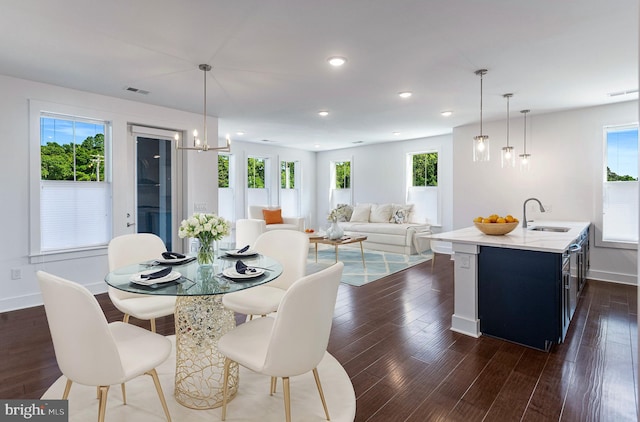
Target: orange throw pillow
column 272, row 216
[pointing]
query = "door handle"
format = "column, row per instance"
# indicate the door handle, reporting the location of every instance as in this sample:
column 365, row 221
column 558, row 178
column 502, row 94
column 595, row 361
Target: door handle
column 130, row 224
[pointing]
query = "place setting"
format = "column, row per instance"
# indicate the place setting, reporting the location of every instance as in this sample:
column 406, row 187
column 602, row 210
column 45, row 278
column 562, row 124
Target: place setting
column 173, row 258
column 243, row 272
column 242, row 252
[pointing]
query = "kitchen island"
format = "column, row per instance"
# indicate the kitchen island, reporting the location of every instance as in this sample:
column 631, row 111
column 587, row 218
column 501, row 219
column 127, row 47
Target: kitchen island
column 518, row 286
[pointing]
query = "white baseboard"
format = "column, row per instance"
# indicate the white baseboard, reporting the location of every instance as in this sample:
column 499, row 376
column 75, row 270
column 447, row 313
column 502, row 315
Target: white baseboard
column 631, row 279
column 35, row 299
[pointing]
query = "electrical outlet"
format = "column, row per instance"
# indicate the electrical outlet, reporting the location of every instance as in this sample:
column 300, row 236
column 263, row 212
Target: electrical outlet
column 200, row 207
column 16, row 274
column 465, row 261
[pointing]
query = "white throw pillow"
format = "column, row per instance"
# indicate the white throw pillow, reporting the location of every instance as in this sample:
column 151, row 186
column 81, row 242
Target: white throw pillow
column 361, row 213
column 380, row 213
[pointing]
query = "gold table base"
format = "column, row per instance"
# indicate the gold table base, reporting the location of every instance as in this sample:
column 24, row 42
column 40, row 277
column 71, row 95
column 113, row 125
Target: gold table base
column 200, row 322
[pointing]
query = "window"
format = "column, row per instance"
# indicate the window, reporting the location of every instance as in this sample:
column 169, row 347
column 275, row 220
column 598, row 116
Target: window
column 287, row 175
column 256, row 173
column 422, row 186
column 259, row 181
column 341, row 192
column 342, row 175
column 223, row 171
column 620, row 186
column 425, row 169
column 75, row 190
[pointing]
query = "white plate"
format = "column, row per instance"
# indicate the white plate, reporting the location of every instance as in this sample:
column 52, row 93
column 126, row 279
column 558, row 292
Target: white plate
column 248, row 252
column 173, row 261
column 232, row 273
column 137, row 278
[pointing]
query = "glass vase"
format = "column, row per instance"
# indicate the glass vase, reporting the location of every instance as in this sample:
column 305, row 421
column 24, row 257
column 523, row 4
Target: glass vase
column 206, row 253
column 334, row 231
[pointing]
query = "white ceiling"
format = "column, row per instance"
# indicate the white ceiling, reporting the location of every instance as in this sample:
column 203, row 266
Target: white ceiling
column 270, row 76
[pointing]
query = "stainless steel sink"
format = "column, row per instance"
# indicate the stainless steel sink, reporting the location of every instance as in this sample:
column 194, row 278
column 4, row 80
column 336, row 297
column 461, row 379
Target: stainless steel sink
column 550, row 229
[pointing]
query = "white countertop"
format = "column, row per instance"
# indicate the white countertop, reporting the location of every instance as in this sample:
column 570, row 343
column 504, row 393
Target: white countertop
column 520, row 238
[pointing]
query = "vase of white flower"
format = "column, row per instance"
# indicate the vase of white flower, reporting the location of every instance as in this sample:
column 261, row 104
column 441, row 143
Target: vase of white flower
column 207, row 228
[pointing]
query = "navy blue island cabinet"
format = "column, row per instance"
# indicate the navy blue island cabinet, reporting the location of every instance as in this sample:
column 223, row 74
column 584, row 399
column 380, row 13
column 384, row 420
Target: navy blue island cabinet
column 522, row 295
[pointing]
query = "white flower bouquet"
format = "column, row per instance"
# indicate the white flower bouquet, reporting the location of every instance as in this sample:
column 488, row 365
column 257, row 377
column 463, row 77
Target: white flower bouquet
column 206, row 228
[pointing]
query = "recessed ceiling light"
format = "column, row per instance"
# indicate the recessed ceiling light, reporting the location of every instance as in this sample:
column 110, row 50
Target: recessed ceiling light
column 446, row 113
column 336, row 61
column 323, row 113
column 405, row 94
column 396, row 133
column 240, row 133
column 317, row 145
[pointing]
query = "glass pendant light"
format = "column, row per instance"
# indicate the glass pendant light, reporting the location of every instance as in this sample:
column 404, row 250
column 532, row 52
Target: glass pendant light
column 525, row 159
column 481, row 142
column 508, row 156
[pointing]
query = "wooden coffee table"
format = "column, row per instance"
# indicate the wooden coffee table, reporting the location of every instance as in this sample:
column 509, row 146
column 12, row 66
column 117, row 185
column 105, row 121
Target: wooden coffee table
column 344, row 240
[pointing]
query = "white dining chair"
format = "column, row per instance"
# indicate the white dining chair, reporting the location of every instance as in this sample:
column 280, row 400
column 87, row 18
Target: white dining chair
column 92, row 352
column 291, row 343
column 132, row 249
column 291, row 249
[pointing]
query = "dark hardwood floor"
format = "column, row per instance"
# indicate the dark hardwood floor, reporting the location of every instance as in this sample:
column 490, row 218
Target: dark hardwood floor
column 392, row 336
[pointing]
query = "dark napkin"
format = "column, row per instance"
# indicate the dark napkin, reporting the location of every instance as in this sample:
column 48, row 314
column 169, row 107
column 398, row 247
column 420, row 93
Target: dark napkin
column 157, row 274
column 172, row 255
column 242, row 268
column 246, row 248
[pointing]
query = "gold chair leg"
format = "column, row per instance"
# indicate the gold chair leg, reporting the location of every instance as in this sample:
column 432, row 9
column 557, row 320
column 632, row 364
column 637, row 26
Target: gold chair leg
column 67, row 388
column 225, row 388
column 124, row 394
column 125, row 319
column 102, row 407
column 98, row 392
column 274, row 381
column 153, row 325
column 287, row 398
column 156, row 381
column 433, row 260
column 319, row 385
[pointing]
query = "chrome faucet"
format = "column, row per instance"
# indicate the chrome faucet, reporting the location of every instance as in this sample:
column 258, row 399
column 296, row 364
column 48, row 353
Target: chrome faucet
column 524, row 210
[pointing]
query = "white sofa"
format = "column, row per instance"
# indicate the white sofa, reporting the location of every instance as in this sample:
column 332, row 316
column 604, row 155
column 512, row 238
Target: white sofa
column 388, row 227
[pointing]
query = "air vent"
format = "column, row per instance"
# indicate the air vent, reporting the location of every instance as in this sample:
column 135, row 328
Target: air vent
column 136, row 90
column 357, row 142
column 627, row 92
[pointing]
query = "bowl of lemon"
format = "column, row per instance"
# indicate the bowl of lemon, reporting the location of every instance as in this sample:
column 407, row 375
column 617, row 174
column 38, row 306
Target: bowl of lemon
column 496, row 225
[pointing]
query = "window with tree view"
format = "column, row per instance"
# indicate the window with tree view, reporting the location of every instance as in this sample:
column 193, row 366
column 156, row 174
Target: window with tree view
column 425, row 169
column 620, row 188
column 255, row 173
column 287, row 175
column 75, row 190
column 343, row 174
column 223, row 171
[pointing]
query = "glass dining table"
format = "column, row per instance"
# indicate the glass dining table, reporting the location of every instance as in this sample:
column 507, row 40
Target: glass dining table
column 200, row 319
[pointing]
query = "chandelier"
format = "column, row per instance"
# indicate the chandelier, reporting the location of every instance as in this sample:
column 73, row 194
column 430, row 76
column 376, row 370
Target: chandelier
column 202, row 144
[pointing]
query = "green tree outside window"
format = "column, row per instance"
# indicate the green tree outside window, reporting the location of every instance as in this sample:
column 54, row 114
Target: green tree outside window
column 287, row 175
column 425, row 169
column 255, row 173
column 223, row 171
column 343, row 174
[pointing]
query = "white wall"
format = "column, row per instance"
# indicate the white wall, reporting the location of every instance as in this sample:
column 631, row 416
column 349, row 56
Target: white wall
column 378, row 174
column 566, row 173
column 199, row 177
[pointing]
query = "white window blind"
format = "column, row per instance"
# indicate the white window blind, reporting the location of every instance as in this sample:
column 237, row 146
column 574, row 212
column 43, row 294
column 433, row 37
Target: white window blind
column 425, row 200
column 620, row 212
column 74, row 214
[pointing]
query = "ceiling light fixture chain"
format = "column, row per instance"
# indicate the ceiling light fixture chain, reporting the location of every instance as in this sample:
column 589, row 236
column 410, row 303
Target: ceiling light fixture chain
column 481, row 142
column 199, row 145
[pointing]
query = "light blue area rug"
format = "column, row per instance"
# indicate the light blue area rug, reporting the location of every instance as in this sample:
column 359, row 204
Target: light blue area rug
column 378, row 264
